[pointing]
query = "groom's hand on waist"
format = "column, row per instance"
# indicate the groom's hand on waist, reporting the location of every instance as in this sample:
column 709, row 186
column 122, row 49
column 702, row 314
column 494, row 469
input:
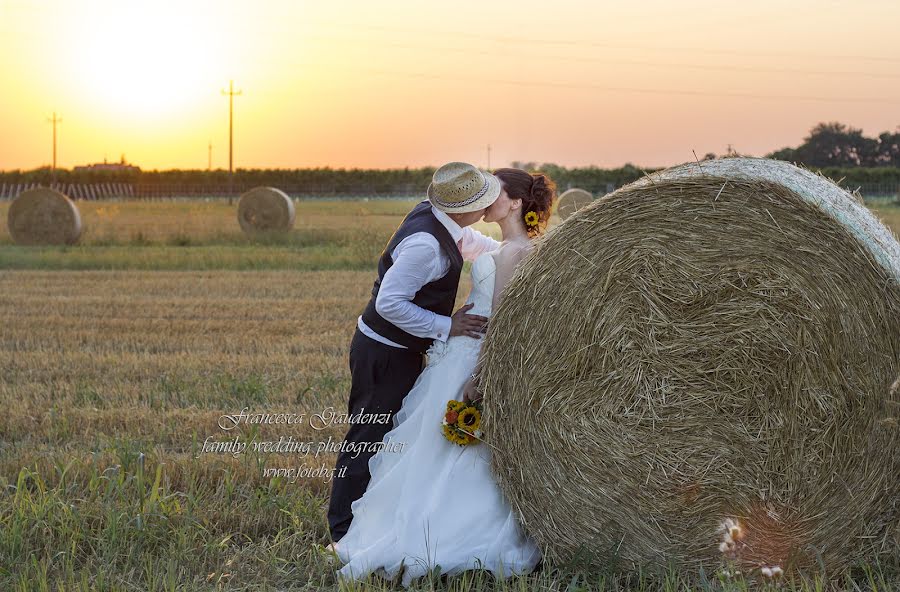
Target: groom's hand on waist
column 466, row 324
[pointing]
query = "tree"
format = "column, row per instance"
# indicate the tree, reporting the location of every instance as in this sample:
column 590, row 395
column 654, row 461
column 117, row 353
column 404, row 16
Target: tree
column 834, row 144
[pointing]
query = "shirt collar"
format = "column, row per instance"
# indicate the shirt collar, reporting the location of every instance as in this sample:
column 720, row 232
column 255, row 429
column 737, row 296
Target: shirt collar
column 449, row 223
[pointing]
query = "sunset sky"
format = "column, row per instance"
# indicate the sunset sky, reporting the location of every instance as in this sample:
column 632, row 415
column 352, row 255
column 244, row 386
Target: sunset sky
column 393, row 84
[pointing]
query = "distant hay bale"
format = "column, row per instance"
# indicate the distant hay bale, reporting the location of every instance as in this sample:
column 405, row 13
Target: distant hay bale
column 716, row 342
column 43, row 216
column 571, row 201
column 265, row 209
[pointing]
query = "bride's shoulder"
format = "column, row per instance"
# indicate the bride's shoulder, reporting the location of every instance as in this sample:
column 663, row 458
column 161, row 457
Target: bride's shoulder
column 511, row 252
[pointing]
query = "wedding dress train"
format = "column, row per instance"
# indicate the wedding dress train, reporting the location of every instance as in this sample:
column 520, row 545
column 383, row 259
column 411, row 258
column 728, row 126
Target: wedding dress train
column 435, row 502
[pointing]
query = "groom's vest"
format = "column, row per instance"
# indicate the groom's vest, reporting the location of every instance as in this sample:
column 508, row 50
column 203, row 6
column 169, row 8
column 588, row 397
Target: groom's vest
column 437, row 296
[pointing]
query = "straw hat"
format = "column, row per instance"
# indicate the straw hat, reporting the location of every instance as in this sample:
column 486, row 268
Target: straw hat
column 459, row 187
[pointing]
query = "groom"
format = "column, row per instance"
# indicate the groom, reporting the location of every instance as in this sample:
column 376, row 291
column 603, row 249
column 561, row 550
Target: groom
column 413, row 296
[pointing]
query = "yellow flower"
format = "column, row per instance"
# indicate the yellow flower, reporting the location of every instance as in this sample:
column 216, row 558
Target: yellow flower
column 449, row 433
column 453, row 434
column 455, row 405
column 531, row 218
column 469, row 419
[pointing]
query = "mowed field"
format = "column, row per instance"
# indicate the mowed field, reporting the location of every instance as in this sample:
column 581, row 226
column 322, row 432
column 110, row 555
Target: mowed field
column 118, row 356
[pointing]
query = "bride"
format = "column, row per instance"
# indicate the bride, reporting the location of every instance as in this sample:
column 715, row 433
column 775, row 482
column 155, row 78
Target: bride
column 436, row 503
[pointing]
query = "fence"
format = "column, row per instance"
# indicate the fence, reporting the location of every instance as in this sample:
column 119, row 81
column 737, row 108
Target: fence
column 73, row 190
column 94, row 191
column 876, row 192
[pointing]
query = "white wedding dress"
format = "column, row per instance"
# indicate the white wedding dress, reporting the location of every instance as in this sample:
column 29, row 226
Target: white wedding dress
column 435, row 502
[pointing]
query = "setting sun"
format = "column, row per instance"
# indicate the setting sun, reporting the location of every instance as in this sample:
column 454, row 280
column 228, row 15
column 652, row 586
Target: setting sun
column 403, row 84
column 145, row 60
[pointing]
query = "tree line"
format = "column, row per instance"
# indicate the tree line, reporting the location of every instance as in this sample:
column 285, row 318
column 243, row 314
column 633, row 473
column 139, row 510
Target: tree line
column 834, row 149
column 837, row 145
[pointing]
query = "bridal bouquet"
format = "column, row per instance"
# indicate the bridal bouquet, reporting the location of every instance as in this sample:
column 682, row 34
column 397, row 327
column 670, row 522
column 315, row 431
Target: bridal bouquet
column 462, row 422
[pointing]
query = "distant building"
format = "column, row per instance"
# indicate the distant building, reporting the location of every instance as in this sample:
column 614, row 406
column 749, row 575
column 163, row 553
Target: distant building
column 106, row 166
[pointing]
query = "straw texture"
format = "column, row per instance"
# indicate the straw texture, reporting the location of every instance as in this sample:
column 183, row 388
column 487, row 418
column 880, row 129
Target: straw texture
column 265, row 209
column 715, row 342
column 43, row 216
column 571, row 201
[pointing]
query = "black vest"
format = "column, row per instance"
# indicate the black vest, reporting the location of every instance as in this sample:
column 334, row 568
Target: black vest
column 437, row 296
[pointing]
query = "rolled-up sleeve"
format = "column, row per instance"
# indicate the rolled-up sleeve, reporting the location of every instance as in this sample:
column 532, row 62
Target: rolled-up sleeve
column 416, row 263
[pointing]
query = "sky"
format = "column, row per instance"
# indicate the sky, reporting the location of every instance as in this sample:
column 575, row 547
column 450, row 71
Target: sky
column 378, row 84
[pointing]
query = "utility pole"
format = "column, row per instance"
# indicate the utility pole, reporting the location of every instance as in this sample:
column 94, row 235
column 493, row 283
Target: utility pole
column 489, row 158
column 231, row 94
column 54, row 121
column 209, row 165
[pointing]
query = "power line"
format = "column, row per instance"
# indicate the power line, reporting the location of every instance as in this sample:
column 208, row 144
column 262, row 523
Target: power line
column 624, row 89
column 587, row 59
column 589, row 43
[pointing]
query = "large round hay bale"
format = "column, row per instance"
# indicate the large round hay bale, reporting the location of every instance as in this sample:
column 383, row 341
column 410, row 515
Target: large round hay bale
column 265, row 209
column 43, row 216
column 571, row 201
column 715, row 342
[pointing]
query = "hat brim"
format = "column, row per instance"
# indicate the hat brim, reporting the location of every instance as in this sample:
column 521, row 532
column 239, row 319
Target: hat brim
column 489, row 197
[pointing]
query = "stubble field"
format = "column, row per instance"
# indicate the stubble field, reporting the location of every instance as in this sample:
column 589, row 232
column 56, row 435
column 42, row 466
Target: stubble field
column 118, row 357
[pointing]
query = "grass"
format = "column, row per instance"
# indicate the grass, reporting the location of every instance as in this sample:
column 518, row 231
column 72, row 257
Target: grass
column 205, row 235
column 117, row 359
column 890, row 215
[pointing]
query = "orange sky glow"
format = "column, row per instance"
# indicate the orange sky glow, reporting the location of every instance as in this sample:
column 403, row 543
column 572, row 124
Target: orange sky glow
column 393, row 84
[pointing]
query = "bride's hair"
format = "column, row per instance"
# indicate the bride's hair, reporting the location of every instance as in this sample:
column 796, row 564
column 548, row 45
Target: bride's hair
column 537, row 192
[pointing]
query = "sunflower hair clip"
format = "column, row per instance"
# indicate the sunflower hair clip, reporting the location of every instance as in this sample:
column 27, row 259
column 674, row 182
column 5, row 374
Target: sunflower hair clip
column 531, row 218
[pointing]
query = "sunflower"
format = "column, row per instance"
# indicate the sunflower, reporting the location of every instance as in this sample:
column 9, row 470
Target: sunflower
column 454, row 405
column 469, row 419
column 531, row 218
column 449, row 432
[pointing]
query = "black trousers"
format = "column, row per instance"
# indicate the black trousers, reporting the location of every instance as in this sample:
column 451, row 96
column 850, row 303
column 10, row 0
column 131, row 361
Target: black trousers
column 381, row 376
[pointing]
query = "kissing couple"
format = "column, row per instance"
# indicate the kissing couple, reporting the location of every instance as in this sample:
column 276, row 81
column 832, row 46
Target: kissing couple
column 433, row 503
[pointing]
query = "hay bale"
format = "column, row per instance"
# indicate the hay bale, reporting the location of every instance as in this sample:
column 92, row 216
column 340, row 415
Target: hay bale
column 713, row 342
column 571, row 201
column 265, row 209
column 43, row 216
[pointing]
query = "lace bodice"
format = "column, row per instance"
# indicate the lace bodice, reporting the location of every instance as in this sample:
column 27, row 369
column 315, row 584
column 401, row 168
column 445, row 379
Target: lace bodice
column 484, row 269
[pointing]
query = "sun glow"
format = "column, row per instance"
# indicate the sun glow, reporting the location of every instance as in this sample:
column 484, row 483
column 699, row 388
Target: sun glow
column 147, row 59
column 400, row 83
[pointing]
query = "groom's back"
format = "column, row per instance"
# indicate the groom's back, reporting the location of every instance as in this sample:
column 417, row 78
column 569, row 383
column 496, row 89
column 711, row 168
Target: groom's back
column 437, row 296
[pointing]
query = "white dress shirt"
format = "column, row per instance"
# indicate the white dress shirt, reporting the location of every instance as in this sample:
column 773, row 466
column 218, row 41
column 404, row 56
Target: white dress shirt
column 417, row 260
